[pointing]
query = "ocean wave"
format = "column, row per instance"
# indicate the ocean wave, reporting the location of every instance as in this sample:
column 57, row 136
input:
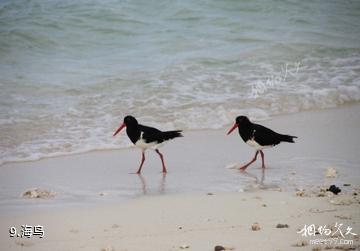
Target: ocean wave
column 70, row 71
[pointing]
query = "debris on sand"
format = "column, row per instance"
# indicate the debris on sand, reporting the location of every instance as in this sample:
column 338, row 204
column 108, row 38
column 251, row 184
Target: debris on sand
column 343, row 217
column 108, row 248
column 37, row 193
column 184, row 246
column 221, row 248
column 301, row 243
column 334, row 189
column 344, row 200
column 24, row 243
column 233, row 166
column 330, row 172
column 255, row 226
column 317, row 248
column 301, row 192
column 282, row 225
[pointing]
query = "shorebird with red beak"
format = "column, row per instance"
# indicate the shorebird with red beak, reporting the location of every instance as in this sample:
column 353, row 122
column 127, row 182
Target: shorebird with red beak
column 146, row 137
column 258, row 136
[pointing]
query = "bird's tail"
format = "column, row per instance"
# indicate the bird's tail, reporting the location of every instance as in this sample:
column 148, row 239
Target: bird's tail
column 288, row 138
column 172, row 134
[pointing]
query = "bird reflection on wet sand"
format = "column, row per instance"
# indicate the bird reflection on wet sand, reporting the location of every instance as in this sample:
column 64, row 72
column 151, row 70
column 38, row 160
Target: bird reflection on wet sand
column 145, row 188
column 257, row 183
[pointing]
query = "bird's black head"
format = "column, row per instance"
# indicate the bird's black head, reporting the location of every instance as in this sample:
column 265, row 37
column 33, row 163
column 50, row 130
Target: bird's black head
column 129, row 121
column 241, row 120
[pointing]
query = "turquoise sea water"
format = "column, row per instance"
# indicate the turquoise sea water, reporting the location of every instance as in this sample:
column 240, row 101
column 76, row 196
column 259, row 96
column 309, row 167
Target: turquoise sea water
column 71, row 70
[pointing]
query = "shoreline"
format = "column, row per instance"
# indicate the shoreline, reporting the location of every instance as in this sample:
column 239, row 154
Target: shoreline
column 130, row 146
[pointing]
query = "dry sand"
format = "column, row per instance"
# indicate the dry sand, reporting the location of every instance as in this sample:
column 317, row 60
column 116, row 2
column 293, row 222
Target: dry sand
column 198, row 221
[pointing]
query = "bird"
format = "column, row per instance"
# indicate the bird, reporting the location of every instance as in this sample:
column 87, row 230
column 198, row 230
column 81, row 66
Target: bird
column 146, row 137
column 258, row 137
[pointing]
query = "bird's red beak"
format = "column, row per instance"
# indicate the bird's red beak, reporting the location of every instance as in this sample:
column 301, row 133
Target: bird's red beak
column 119, row 129
column 232, row 128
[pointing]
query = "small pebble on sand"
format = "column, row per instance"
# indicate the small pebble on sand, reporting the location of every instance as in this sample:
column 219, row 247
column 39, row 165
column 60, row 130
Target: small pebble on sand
column 37, row 193
column 334, row 189
column 301, row 243
column 108, row 248
column 282, row 225
column 221, row 248
column 330, row 172
column 255, row 226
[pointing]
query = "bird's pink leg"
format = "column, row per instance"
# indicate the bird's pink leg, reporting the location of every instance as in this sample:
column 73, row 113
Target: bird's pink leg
column 248, row 164
column 162, row 160
column 262, row 159
column 142, row 162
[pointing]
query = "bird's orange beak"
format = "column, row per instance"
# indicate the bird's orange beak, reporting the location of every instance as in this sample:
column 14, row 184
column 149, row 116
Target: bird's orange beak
column 232, row 128
column 119, row 129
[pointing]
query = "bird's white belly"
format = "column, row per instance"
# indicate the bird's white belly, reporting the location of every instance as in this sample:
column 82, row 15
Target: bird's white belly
column 253, row 143
column 143, row 145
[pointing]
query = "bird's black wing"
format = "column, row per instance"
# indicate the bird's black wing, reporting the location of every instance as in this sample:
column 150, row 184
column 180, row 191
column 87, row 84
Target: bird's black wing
column 265, row 136
column 150, row 134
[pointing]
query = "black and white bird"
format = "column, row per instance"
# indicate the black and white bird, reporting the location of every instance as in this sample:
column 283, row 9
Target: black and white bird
column 146, row 137
column 259, row 137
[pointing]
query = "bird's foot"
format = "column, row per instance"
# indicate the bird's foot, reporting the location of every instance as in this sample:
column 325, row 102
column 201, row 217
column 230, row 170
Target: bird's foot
column 243, row 168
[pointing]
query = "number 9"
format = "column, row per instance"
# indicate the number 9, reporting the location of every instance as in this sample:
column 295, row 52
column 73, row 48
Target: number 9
column 12, row 231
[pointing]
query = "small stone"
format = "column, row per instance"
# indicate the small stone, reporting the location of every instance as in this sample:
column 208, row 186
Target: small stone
column 334, row 189
column 318, row 248
column 209, row 194
column 263, row 205
column 180, row 227
column 184, row 246
column 37, row 193
column 255, row 226
column 321, row 194
column 330, row 172
column 347, row 185
column 300, row 192
column 282, row 225
column 108, row 248
column 219, row 248
column 301, row 243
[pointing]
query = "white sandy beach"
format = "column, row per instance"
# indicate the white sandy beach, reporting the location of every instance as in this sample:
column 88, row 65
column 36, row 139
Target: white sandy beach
column 99, row 205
